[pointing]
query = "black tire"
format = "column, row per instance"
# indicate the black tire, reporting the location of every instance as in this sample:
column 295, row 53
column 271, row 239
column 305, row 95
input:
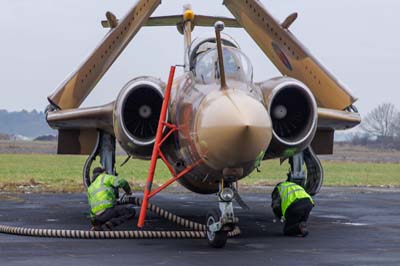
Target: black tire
column 216, row 239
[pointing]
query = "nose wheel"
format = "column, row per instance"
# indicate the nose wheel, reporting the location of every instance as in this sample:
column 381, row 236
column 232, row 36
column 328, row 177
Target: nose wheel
column 215, row 236
column 221, row 221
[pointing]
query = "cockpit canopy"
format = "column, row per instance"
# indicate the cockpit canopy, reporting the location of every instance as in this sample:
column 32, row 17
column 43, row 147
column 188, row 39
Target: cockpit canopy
column 201, row 45
column 237, row 66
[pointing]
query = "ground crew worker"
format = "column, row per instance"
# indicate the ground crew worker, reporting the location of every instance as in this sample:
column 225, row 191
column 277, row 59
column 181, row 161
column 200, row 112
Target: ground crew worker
column 293, row 203
column 102, row 196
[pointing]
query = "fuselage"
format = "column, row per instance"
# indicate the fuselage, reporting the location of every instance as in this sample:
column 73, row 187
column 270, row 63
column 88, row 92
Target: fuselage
column 224, row 132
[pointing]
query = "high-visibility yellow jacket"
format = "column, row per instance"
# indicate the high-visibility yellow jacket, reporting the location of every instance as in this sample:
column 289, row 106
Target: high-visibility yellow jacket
column 102, row 192
column 288, row 193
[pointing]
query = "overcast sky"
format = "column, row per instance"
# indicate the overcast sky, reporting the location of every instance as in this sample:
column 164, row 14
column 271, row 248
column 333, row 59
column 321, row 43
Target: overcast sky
column 42, row 41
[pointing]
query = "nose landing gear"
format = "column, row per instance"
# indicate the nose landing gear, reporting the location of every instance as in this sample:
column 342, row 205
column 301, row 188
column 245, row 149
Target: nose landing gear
column 215, row 235
column 221, row 221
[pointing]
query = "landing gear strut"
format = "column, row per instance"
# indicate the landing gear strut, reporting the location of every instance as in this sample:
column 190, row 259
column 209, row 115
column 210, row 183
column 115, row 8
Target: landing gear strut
column 105, row 148
column 297, row 174
column 221, row 221
column 312, row 181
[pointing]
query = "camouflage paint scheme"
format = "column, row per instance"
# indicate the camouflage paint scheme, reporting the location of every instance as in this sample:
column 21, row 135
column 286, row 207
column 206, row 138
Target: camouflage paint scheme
column 267, row 33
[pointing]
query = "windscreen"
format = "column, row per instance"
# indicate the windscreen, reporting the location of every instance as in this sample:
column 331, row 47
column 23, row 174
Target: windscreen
column 237, row 66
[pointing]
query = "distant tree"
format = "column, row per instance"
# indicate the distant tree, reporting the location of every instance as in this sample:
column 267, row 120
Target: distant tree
column 397, row 126
column 29, row 124
column 381, row 121
column 361, row 139
column 46, row 138
column 5, row 136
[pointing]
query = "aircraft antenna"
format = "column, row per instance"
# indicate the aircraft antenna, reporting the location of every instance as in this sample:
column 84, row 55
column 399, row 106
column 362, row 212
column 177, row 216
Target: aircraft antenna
column 188, row 18
column 219, row 26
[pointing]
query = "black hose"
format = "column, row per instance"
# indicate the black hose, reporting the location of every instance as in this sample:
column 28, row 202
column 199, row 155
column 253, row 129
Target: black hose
column 197, row 230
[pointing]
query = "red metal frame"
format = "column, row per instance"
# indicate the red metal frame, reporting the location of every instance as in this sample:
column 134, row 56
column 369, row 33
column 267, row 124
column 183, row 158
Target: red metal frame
column 158, row 153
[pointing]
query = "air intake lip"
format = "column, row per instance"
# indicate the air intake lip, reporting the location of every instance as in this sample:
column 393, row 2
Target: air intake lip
column 141, row 111
column 293, row 113
column 137, row 112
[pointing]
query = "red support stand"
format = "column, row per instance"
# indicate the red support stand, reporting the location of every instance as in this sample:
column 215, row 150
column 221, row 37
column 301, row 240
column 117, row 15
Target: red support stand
column 158, row 153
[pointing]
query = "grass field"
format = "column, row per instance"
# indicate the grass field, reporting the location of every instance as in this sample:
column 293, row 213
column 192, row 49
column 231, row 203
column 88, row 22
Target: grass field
column 57, row 173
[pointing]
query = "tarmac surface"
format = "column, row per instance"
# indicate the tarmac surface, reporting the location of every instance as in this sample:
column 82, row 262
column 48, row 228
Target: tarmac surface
column 348, row 226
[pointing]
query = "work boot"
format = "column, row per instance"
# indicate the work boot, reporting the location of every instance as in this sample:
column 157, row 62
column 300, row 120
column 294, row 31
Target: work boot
column 96, row 228
column 108, row 226
column 133, row 213
column 303, row 229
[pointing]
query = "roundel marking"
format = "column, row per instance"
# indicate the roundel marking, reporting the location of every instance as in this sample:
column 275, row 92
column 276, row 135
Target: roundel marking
column 282, row 56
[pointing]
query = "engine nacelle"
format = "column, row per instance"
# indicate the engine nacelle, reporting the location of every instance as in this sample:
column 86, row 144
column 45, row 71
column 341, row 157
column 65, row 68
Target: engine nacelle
column 136, row 114
column 294, row 115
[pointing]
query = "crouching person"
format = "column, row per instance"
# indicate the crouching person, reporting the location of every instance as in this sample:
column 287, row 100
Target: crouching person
column 102, row 195
column 292, row 203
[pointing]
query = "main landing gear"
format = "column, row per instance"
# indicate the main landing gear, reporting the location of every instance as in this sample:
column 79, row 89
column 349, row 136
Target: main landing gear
column 221, row 221
column 105, row 148
column 312, row 180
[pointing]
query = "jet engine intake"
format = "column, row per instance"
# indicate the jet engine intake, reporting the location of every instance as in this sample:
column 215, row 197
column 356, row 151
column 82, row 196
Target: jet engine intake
column 293, row 112
column 136, row 114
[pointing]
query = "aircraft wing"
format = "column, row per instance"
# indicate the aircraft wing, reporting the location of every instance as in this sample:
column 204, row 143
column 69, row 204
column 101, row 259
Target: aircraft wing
column 330, row 120
column 99, row 117
column 74, row 90
column 288, row 54
column 336, row 119
column 199, row 20
column 78, row 127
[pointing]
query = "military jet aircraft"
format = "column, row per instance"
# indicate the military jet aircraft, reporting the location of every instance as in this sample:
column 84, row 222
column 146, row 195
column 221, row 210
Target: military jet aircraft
column 226, row 122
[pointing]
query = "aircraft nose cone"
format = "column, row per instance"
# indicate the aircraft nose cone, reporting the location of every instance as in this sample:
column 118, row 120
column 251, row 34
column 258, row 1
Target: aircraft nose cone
column 232, row 129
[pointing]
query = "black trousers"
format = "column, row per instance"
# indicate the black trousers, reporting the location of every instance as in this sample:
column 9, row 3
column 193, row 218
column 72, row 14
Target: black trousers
column 295, row 214
column 117, row 215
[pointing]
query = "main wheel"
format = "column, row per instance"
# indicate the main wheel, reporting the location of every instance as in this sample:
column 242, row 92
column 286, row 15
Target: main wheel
column 215, row 239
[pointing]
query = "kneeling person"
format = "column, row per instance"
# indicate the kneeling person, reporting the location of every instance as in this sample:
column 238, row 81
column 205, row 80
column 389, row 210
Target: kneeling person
column 294, row 204
column 102, row 196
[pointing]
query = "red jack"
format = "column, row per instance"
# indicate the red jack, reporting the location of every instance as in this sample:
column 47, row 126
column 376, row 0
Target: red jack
column 148, row 193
